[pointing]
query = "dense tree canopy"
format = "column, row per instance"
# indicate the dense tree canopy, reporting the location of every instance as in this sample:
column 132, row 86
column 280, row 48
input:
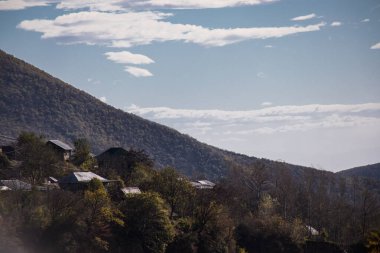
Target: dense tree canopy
column 255, row 208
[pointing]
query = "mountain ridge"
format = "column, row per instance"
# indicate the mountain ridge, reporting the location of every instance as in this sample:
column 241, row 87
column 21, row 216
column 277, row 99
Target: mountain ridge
column 33, row 100
column 366, row 171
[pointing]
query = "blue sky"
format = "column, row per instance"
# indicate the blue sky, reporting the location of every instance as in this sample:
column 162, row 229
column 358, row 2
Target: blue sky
column 292, row 80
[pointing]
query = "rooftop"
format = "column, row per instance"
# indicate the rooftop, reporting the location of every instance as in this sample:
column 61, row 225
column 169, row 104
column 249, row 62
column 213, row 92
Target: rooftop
column 203, row 184
column 81, row 177
column 61, row 144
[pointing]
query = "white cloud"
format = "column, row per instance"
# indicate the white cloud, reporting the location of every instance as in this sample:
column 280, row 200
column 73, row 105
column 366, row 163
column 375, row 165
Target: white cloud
column 260, row 75
column 124, row 5
column 103, row 99
column 138, row 72
column 336, row 23
column 365, row 20
column 305, row 17
column 266, row 103
column 22, row 4
column 125, row 57
column 141, row 28
column 268, row 46
column 275, row 111
column 117, row 5
column 376, row 46
column 93, row 5
column 197, row 4
column 303, row 134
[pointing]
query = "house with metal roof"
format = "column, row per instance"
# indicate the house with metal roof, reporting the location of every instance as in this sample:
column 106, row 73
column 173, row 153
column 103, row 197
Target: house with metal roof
column 80, row 180
column 202, row 184
column 61, row 148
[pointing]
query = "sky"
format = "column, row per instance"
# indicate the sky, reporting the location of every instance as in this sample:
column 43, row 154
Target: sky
column 290, row 80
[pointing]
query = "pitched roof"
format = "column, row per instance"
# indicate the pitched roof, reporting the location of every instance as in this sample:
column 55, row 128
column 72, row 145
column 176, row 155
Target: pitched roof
column 16, row 185
column 203, row 184
column 61, row 144
column 131, row 190
column 81, row 177
column 206, row 182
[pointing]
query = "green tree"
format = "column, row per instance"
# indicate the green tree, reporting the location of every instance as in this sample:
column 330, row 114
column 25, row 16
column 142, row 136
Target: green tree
column 38, row 160
column 148, row 228
column 213, row 227
column 99, row 214
column 82, row 151
column 176, row 190
column 373, row 242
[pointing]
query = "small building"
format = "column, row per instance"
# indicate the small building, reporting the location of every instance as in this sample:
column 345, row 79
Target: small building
column 15, row 185
column 62, row 149
column 130, row 190
column 202, row 184
column 112, row 157
column 79, row 180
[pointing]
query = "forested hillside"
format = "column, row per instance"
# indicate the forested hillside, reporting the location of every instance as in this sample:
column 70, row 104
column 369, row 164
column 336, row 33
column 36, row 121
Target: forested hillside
column 255, row 209
column 368, row 171
column 257, row 205
column 32, row 100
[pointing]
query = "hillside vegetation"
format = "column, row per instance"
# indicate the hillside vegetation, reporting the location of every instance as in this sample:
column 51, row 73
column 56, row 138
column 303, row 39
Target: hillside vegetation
column 258, row 209
column 32, row 100
column 368, row 171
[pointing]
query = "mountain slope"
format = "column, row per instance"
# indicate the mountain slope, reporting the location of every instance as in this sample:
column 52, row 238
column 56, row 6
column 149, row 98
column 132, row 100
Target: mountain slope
column 368, row 171
column 32, row 100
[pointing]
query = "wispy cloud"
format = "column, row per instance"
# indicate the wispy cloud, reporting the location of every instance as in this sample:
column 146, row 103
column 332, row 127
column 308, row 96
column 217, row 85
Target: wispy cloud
column 23, row 4
column 365, row 20
column 260, row 75
column 93, row 5
column 125, row 57
column 141, row 28
column 305, row 17
column 124, row 5
column 266, row 103
column 269, row 114
column 138, row 72
column 376, row 46
column 112, row 5
column 294, row 133
column 336, row 23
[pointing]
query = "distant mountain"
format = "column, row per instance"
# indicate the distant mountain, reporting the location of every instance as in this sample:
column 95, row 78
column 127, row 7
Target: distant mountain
column 368, row 171
column 32, row 100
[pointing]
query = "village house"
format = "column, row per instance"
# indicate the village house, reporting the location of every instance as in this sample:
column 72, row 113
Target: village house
column 62, row 149
column 202, row 184
column 77, row 181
